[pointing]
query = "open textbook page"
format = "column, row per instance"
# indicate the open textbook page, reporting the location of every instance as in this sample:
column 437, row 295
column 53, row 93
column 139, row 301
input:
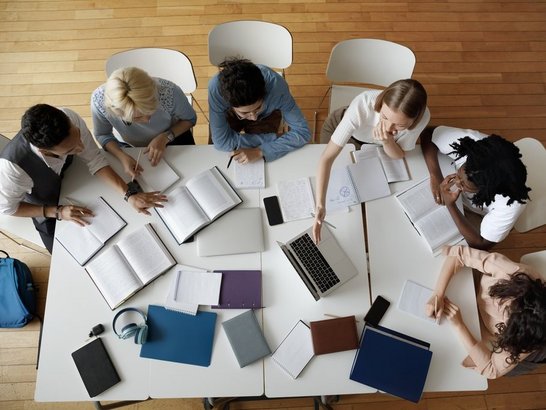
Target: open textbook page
column 126, row 267
column 395, row 169
column 84, row 242
column 192, row 206
column 432, row 221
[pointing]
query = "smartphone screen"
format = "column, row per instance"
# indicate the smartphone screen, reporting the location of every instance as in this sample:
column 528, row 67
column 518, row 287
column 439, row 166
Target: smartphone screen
column 273, row 210
column 377, row 310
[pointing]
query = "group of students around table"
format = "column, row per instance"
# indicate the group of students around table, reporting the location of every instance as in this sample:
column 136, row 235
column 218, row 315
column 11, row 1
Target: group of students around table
column 253, row 116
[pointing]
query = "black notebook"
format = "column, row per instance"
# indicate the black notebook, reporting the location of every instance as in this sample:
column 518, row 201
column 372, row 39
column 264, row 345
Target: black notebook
column 95, row 367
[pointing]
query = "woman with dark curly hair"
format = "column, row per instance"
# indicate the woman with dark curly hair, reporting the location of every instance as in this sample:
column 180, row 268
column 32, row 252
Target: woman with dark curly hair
column 512, row 305
column 490, row 178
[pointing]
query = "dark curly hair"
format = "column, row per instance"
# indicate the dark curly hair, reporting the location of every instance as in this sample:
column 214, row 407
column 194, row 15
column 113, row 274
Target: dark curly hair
column 525, row 329
column 493, row 164
column 241, row 82
column 45, row 126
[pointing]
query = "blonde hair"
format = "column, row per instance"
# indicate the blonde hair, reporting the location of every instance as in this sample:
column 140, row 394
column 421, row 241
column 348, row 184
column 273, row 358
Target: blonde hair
column 128, row 91
column 407, row 96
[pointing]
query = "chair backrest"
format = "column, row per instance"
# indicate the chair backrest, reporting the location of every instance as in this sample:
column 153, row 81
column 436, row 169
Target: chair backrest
column 258, row 41
column 171, row 65
column 367, row 61
column 534, row 157
column 19, row 226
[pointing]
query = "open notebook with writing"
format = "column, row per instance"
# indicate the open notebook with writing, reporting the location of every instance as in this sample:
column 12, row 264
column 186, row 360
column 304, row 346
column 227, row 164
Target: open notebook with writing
column 82, row 243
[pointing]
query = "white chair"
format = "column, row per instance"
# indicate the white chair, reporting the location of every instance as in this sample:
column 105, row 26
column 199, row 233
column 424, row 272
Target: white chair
column 164, row 63
column 19, row 226
column 258, row 41
column 366, row 61
column 534, row 157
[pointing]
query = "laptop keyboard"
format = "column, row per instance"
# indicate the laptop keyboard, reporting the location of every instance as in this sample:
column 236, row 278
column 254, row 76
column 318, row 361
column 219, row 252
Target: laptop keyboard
column 310, row 256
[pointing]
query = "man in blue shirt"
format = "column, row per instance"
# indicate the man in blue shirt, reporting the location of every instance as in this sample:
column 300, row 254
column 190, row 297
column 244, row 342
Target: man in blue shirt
column 253, row 114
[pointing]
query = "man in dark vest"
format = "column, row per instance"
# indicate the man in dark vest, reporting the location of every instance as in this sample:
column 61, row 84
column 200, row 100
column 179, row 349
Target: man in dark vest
column 33, row 163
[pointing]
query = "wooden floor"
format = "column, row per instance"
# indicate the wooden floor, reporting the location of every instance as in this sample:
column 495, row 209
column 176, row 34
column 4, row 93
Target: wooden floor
column 483, row 64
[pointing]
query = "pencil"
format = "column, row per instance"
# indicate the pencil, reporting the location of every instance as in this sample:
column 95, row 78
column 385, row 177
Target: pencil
column 137, row 161
column 229, row 162
column 436, row 309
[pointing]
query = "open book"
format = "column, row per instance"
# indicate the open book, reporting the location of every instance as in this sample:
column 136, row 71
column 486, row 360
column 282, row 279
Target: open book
column 129, row 265
column 432, row 221
column 395, row 169
column 82, row 243
column 157, row 178
column 204, row 198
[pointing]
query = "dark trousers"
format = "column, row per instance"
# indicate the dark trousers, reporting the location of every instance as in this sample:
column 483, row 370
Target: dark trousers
column 183, row 139
column 46, row 230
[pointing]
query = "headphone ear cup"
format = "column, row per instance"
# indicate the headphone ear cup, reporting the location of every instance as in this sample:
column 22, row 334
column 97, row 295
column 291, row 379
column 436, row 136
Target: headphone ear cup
column 129, row 330
column 141, row 335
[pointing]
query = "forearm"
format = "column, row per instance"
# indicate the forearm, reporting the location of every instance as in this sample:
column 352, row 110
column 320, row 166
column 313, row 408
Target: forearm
column 465, row 336
column 35, row 211
column 181, row 127
column 323, row 172
column 392, row 149
column 449, row 268
column 108, row 175
column 113, row 148
column 471, row 236
column 430, row 154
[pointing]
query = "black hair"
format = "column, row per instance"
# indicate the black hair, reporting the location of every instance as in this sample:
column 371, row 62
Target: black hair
column 525, row 329
column 241, row 82
column 45, row 126
column 493, row 164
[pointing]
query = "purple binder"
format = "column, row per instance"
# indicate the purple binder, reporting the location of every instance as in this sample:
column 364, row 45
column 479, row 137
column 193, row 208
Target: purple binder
column 240, row 289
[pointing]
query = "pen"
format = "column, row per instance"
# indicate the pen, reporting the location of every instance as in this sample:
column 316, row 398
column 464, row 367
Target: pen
column 325, row 221
column 436, row 309
column 137, row 161
column 231, row 158
column 229, row 162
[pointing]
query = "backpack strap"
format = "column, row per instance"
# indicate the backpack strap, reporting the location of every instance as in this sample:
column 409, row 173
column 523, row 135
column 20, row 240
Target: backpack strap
column 5, row 253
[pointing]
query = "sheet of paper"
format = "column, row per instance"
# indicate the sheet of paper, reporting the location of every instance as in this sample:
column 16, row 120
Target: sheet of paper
column 341, row 192
column 251, row 175
column 413, row 299
column 193, row 288
column 296, row 199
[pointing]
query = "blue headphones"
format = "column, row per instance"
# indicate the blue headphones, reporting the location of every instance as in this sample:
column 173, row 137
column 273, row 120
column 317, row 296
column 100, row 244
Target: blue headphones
column 140, row 332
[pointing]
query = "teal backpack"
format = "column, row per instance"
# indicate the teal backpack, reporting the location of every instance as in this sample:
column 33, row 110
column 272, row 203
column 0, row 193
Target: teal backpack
column 17, row 293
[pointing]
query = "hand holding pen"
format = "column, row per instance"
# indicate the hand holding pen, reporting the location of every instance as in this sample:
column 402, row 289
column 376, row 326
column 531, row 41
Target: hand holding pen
column 135, row 169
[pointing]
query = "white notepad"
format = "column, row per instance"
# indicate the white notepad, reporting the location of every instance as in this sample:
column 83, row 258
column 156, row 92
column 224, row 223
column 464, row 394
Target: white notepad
column 251, row 175
column 157, row 178
column 414, row 298
column 189, row 289
column 295, row 351
column 296, row 199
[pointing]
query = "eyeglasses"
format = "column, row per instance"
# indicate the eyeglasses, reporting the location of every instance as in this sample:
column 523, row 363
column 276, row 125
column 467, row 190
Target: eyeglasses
column 247, row 114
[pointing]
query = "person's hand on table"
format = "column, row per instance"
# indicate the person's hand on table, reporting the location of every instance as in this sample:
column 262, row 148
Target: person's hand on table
column 435, row 306
column 142, row 201
column 75, row 214
column 453, row 313
column 435, row 189
column 130, row 165
column 156, row 148
column 247, row 155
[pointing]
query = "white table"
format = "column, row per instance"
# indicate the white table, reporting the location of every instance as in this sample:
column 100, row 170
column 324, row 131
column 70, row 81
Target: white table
column 287, row 300
column 396, row 253
column 74, row 305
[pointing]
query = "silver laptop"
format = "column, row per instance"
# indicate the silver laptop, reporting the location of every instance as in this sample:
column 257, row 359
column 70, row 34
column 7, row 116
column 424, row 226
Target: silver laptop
column 322, row 268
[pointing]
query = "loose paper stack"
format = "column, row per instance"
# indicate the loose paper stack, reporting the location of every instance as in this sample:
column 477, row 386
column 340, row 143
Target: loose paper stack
column 189, row 289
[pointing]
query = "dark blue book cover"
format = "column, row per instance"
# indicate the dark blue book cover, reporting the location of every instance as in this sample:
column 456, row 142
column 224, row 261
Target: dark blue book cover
column 392, row 362
column 178, row 337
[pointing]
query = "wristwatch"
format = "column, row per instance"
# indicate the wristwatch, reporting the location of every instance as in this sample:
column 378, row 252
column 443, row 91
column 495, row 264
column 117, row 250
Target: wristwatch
column 132, row 188
column 170, row 135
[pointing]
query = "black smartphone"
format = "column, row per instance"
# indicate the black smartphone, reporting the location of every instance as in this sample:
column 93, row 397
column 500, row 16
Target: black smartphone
column 273, row 210
column 377, row 310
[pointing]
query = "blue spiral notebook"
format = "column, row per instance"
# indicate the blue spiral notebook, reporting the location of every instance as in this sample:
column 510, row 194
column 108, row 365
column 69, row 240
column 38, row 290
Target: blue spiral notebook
column 178, row 337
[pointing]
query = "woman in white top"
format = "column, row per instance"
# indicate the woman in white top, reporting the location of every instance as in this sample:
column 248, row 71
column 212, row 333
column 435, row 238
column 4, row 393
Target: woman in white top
column 393, row 118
